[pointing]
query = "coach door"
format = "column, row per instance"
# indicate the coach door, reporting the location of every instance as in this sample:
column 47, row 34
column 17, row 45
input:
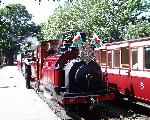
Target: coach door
column 141, row 72
column 144, row 75
column 124, row 81
column 146, row 79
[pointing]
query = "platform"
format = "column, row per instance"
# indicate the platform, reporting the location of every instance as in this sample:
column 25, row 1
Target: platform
column 19, row 103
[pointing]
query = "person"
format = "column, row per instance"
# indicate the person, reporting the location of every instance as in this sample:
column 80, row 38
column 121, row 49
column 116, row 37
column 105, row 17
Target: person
column 27, row 73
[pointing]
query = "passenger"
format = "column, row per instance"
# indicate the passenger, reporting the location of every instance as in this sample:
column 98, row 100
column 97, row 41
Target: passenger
column 135, row 66
column 27, row 72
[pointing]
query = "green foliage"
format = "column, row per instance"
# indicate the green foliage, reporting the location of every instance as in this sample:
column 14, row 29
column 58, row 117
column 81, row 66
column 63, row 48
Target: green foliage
column 113, row 19
column 15, row 25
column 140, row 29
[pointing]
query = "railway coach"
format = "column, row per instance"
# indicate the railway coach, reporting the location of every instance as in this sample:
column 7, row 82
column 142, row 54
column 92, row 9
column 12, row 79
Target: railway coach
column 126, row 66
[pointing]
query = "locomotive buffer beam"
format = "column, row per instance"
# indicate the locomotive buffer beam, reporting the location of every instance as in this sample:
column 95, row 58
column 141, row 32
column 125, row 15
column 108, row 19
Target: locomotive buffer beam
column 77, row 98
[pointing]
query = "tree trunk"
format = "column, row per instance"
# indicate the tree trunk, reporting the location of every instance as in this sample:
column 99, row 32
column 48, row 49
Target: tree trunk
column 9, row 57
column 1, row 57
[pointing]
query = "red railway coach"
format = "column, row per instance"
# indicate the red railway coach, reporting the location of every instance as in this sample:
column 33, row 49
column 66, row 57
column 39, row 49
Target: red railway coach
column 126, row 65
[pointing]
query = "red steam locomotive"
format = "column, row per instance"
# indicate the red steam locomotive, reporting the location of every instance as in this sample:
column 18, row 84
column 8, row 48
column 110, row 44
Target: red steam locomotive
column 71, row 78
column 126, row 65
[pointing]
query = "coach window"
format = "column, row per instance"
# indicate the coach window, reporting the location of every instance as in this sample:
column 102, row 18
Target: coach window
column 124, row 57
column 134, row 58
column 109, row 58
column 147, row 57
column 103, row 57
column 116, row 58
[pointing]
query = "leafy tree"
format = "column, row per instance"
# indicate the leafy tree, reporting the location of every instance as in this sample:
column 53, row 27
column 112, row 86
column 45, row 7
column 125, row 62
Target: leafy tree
column 15, row 25
column 140, row 29
column 110, row 19
column 117, row 15
column 53, row 0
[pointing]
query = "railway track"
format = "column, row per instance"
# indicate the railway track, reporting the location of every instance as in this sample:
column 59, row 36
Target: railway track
column 113, row 111
column 117, row 110
column 58, row 109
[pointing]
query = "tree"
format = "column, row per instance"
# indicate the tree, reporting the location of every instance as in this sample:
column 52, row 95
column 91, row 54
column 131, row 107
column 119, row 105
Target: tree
column 140, row 29
column 15, row 25
column 120, row 14
column 110, row 19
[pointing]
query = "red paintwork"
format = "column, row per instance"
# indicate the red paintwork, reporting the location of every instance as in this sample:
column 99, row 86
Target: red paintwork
column 122, row 82
column 41, row 52
column 129, row 81
column 107, row 97
column 50, row 73
column 133, row 85
column 86, row 99
column 75, row 100
column 140, row 92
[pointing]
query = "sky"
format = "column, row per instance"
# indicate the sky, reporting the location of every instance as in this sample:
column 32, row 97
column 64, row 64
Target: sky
column 40, row 12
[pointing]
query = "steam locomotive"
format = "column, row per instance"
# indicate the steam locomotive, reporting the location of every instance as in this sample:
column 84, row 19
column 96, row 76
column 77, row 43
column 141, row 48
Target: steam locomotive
column 69, row 73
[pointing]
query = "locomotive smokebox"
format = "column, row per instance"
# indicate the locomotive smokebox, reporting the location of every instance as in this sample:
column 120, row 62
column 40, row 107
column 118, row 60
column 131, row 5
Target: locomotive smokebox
column 83, row 77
